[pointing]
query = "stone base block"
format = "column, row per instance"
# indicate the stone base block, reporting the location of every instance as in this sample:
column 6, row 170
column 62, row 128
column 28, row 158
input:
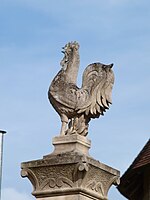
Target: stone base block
column 69, row 197
column 71, row 143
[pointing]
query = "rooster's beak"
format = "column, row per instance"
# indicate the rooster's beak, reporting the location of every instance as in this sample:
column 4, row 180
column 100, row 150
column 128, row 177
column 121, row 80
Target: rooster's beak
column 111, row 65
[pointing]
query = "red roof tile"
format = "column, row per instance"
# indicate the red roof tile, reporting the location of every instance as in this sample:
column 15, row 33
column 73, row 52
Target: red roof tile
column 143, row 158
column 131, row 183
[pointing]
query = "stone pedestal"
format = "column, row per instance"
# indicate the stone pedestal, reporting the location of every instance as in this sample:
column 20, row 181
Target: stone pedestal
column 73, row 143
column 69, row 173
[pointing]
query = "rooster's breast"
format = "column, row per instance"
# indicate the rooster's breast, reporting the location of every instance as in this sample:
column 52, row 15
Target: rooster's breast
column 62, row 96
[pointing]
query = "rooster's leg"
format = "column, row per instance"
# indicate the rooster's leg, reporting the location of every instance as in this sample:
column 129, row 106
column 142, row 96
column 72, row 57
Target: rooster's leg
column 64, row 120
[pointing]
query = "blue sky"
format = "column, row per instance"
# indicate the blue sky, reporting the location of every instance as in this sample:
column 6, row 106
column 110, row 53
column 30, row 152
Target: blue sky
column 31, row 36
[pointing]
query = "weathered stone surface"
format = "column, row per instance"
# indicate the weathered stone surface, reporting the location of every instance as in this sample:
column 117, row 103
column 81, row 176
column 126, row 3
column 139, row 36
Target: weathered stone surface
column 72, row 143
column 69, row 197
column 69, row 175
column 76, row 106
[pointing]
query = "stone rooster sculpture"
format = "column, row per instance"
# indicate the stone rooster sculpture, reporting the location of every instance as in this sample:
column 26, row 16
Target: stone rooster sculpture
column 76, row 106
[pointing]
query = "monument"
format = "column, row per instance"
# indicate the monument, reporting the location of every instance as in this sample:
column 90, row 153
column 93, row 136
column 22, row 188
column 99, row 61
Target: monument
column 69, row 172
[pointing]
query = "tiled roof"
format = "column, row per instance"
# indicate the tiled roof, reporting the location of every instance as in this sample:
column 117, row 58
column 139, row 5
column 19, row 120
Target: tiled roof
column 131, row 183
column 143, row 158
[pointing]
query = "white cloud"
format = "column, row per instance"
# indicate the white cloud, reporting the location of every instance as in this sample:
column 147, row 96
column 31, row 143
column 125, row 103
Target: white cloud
column 11, row 193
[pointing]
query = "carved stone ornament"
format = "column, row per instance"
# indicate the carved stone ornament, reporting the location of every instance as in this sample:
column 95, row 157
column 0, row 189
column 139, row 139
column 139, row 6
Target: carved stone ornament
column 76, row 106
column 71, row 176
